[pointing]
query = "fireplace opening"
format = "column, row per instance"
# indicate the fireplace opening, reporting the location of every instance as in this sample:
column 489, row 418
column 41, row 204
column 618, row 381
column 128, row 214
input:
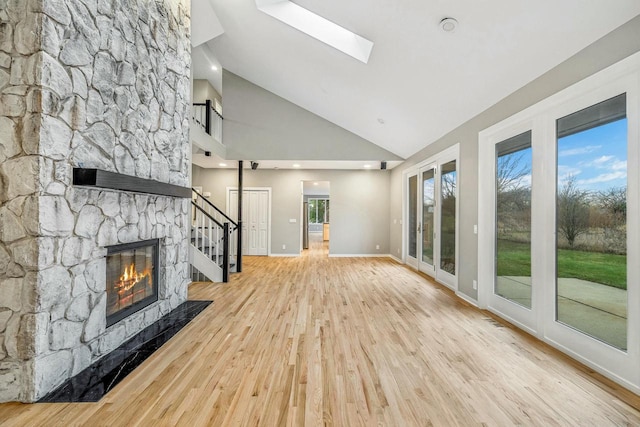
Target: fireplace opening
column 132, row 278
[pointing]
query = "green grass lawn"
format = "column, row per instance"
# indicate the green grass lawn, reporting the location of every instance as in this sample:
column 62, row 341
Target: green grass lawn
column 514, row 259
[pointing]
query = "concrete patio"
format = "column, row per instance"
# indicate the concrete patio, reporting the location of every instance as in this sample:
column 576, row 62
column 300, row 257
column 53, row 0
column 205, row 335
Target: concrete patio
column 595, row 309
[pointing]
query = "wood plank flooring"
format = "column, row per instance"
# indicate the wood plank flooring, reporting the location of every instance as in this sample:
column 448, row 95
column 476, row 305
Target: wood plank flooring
column 344, row 341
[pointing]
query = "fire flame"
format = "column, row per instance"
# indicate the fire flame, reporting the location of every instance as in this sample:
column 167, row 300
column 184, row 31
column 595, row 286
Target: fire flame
column 131, row 277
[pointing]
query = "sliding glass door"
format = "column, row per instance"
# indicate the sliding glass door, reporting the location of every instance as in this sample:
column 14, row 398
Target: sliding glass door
column 513, row 219
column 412, row 223
column 447, row 221
column 591, row 221
column 428, row 229
column 506, row 257
column 559, row 235
column 432, row 217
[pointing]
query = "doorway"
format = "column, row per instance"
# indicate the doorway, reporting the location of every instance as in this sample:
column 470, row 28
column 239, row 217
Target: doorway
column 256, row 218
column 431, row 217
column 316, row 214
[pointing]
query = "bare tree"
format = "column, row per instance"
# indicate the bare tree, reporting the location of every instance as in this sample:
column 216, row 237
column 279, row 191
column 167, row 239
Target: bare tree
column 614, row 201
column 511, row 171
column 573, row 210
column 511, row 188
column 513, row 196
column 611, row 205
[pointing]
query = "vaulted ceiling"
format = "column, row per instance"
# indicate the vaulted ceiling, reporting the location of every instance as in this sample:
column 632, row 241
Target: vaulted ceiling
column 420, row 82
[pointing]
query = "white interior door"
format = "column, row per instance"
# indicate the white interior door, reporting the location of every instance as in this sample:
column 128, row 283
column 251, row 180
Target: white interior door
column 255, row 219
column 262, row 222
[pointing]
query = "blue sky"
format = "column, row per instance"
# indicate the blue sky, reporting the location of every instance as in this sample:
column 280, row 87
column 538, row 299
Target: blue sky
column 596, row 157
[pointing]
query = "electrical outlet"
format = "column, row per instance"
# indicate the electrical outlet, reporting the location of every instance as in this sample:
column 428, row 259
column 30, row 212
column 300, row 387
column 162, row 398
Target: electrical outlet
column 475, row 284
column 398, row 250
column 284, row 246
column 378, row 247
column 475, row 229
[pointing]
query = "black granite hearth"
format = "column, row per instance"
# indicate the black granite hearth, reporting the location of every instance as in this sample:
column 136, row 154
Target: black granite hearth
column 101, row 377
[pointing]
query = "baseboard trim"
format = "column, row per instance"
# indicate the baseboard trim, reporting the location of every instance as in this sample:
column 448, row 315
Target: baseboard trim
column 359, row 255
column 467, row 299
column 395, row 258
column 284, row 255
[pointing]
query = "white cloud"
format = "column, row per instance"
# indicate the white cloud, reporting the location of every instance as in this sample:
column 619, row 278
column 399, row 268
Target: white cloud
column 619, row 165
column 605, row 177
column 606, row 162
column 577, row 151
column 564, row 172
column 602, row 160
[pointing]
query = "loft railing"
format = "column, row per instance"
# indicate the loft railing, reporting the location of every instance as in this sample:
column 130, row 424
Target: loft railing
column 208, row 118
column 211, row 238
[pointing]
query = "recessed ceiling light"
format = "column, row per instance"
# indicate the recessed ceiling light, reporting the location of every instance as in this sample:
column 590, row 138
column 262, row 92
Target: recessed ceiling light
column 315, row 183
column 448, row 25
column 296, row 165
column 222, row 164
column 367, row 166
column 214, row 68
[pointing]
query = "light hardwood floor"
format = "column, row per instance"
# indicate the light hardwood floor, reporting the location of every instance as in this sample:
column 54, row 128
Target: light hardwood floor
column 345, row 341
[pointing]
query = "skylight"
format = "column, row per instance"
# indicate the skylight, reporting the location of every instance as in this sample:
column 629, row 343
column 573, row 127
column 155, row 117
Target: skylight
column 318, row 27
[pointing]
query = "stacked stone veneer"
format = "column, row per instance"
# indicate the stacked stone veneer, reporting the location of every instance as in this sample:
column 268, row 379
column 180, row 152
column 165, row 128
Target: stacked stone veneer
column 88, row 83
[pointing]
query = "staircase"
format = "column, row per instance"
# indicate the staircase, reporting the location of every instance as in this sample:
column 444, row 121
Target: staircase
column 211, row 234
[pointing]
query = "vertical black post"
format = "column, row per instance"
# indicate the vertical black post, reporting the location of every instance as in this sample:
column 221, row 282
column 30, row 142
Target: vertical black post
column 225, row 253
column 239, row 233
column 207, row 117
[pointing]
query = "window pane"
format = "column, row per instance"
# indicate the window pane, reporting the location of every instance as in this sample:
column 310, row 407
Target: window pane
column 428, row 201
column 591, row 226
column 312, row 211
column 326, row 211
column 320, row 211
column 413, row 220
column 513, row 219
column 448, row 218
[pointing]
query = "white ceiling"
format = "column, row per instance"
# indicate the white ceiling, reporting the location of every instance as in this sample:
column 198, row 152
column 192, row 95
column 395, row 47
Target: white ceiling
column 420, row 81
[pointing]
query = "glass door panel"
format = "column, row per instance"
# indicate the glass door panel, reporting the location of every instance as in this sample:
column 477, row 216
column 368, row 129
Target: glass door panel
column 591, row 222
column 428, row 218
column 448, row 194
column 412, row 220
column 513, row 219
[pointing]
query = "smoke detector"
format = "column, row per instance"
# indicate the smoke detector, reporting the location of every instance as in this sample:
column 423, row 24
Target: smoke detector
column 448, row 25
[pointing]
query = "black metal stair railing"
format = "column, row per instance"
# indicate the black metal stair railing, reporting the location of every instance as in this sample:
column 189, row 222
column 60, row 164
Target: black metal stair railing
column 212, row 239
column 231, row 245
column 212, row 209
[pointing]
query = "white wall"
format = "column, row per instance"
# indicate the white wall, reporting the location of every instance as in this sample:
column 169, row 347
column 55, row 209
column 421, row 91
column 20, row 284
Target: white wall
column 260, row 125
column 202, row 90
column 359, row 205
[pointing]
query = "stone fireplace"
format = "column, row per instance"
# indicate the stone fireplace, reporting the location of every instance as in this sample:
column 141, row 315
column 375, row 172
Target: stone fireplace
column 132, row 280
column 86, row 84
